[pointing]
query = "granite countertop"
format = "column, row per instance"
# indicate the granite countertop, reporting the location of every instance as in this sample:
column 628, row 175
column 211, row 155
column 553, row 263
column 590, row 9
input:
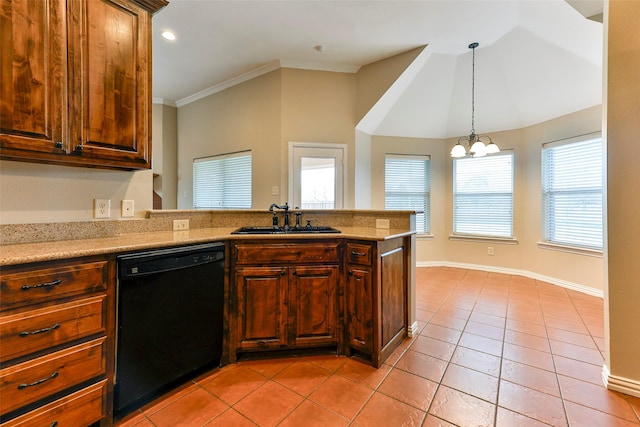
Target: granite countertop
column 21, row 253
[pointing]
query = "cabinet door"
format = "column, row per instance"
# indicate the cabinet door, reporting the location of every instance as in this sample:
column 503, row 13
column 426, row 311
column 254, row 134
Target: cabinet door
column 313, row 305
column 261, row 312
column 32, row 78
column 360, row 308
column 110, row 74
column 392, row 294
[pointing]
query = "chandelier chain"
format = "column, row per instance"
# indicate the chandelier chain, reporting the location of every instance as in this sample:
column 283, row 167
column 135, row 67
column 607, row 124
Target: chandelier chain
column 473, row 90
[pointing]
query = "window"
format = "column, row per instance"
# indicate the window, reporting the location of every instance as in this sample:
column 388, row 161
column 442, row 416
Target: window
column 407, row 183
column 316, row 175
column 222, row 182
column 483, row 195
column 572, row 193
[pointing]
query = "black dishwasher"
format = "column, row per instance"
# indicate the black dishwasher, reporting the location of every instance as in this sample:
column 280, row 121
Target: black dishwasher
column 169, row 320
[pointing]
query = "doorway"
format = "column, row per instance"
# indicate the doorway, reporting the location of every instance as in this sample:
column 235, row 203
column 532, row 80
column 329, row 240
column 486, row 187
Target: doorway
column 316, row 175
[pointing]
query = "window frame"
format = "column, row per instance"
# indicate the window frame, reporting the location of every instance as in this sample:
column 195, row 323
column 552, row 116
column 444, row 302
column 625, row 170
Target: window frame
column 426, row 215
column 484, row 234
column 229, row 186
column 549, row 239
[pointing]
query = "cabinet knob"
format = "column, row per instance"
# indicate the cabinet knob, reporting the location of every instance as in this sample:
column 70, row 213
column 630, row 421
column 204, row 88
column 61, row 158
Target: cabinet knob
column 59, row 145
column 350, row 272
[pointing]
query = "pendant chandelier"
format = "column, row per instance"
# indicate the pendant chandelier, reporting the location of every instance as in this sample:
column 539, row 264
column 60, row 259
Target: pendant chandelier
column 473, row 145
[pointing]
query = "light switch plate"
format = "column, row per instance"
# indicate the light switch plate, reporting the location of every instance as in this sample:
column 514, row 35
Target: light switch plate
column 126, row 208
column 101, row 208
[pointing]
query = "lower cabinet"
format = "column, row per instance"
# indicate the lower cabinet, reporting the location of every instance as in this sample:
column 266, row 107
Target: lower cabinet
column 286, row 295
column 350, row 295
column 261, row 315
column 376, row 294
column 56, row 328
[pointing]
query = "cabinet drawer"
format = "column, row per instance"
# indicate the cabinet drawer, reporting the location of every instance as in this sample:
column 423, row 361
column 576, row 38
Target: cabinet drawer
column 31, row 287
column 81, row 408
column 287, row 253
column 34, row 330
column 38, row 378
column 359, row 254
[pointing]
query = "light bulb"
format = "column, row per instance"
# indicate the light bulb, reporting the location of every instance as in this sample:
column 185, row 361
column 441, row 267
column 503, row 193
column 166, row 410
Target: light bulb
column 478, row 149
column 492, row 148
column 458, row 151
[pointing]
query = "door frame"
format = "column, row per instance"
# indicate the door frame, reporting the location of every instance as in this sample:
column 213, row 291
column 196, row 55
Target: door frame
column 319, row 146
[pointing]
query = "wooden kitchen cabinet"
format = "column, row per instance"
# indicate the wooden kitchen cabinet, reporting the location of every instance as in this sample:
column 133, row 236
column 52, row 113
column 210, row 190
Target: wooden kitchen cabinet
column 286, row 295
column 313, row 305
column 261, row 293
column 76, row 82
column 56, row 329
column 376, row 294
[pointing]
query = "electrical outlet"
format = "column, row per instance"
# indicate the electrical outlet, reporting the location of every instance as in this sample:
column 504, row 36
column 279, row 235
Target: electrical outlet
column 382, row 223
column 275, row 191
column 126, row 209
column 101, row 208
column 180, row 224
column 489, row 250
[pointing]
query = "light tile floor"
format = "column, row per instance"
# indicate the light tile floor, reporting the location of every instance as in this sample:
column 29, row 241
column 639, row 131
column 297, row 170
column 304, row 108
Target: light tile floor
column 493, row 350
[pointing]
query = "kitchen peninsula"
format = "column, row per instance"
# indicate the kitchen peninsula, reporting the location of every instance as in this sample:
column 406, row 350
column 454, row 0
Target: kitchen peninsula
column 351, row 292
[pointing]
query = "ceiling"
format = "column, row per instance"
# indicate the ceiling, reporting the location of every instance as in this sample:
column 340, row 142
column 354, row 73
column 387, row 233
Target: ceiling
column 537, row 60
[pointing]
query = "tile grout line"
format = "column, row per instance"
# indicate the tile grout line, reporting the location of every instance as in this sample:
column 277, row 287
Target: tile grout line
column 553, row 360
column 454, row 350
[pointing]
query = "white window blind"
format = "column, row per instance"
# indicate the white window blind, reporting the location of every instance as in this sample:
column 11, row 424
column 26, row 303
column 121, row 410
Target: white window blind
column 483, row 195
column 572, row 193
column 407, row 183
column 222, row 182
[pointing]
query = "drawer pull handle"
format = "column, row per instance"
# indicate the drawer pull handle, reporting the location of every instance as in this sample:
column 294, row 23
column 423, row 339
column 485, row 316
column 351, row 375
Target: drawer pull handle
column 354, row 253
column 39, row 331
column 42, row 285
column 52, row 376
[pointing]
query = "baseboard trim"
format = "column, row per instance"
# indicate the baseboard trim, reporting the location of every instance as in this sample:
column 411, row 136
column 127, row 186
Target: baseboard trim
column 526, row 273
column 412, row 329
column 620, row 384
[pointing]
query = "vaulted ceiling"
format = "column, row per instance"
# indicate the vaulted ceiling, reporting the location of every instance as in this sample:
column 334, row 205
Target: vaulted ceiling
column 537, row 59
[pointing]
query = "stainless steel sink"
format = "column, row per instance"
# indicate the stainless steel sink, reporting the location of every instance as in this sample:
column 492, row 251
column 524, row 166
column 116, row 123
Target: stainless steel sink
column 281, row 230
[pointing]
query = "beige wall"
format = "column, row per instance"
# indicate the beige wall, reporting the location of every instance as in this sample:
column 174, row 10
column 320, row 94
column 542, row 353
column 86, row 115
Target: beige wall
column 374, row 79
column 572, row 269
column 318, row 107
column 622, row 118
column 165, row 154
column 243, row 117
column 36, row 193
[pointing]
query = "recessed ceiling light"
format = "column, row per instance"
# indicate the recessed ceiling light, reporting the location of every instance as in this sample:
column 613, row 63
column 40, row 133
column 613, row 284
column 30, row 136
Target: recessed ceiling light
column 168, row 35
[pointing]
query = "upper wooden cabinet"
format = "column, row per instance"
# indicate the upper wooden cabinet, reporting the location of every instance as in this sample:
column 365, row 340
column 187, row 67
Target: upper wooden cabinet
column 76, row 82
